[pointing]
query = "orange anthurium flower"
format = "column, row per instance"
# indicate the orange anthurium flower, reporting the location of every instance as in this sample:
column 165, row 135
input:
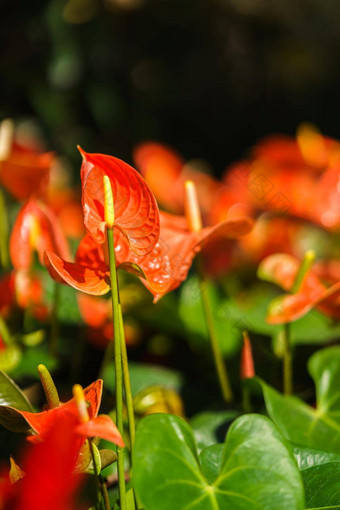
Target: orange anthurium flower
column 42, row 422
column 23, row 169
column 282, row 270
column 96, row 426
column 161, row 167
column 49, row 481
column 36, row 229
column 285, row 174
column 165, row 172
column 135, row 207
column 165, row 268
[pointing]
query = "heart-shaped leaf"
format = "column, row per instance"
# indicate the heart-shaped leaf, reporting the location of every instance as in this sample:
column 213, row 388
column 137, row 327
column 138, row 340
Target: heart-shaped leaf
column 11, row 395
column 321, row 477
column 211, row 461
column 302, row 424
column 258, row 469
column 209, row 427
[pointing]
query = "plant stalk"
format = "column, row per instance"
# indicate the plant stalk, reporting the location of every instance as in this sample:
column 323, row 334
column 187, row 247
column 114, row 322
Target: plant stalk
column 127, row 383
column 221, row 368
column 118, row 364
column 287, row 362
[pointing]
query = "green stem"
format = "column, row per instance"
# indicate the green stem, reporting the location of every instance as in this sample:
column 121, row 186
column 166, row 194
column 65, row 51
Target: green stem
column 221, row 368
column 100, row 499
column 55, row 329
column 118, row 365
column 127, row 383
column 105, row 494
column 287, row 362
column 4, row 257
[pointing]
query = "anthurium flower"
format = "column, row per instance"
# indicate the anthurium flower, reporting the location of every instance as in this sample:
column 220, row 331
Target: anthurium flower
column 36, row 229
column 41, row 423
column 282, row 270
column 165, row 268
column 135, row 208
column 48, row 480
column 24, row 170
column 166, row 172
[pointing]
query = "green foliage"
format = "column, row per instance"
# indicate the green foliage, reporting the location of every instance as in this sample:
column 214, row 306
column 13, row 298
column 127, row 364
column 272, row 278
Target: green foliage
column 258, row 469
column 314, row 427
column 12, row 397
column 321, row 477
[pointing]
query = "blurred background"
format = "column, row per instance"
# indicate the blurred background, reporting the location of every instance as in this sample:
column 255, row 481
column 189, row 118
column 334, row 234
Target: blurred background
column 209, row 77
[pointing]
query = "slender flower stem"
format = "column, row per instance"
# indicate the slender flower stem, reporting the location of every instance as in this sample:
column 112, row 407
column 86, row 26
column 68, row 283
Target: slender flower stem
column 118, row 364
column 127, row 383
column 221, row 368
column 99, row 490
column 304, row 268
column 287, row 362
column 105, row 494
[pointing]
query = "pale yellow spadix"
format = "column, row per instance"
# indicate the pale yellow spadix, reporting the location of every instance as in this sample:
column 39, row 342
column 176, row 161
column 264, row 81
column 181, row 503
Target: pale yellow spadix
column 109, row 210
column 192, row 208
column 6, row 138
column 50, row 390
column 305, row 266
column 79, row 397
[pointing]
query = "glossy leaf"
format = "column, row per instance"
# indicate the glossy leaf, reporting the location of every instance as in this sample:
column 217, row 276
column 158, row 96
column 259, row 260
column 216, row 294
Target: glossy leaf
column 209, row 427
column 211, row 460
column 136, row 210
column 321, row 478
column 11, row 395
column 258, row 469
column 302, row 424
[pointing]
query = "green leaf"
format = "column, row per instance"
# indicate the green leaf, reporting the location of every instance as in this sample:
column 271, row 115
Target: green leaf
column 209, row 427
column 302, row 424
column 211, row 461
column 107, row 457
column 12, row 397
column 143, row 375
column 258, row 469
column 321, row 477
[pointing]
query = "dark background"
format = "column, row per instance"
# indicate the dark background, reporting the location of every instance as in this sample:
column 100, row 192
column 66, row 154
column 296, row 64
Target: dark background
column 209, row 77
